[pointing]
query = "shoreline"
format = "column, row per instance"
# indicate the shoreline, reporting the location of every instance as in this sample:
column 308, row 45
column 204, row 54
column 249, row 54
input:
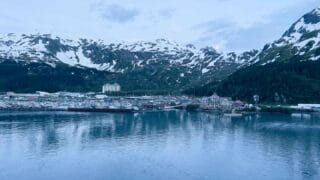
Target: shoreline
column 130, row 111
column 99, row 103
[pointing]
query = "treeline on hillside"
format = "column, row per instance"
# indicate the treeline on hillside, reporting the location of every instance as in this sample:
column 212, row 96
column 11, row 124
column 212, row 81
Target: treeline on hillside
column 32, row 77
column 292, row 82
column 28, row 78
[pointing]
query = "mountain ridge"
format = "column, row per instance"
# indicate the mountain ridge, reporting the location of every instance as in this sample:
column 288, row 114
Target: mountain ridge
column 184, row 65
column 288, row 67
column 41, row 46
column 160, row 64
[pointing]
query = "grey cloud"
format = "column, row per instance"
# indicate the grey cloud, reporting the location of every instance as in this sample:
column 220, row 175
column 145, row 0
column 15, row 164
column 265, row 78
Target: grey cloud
column 218, row 33
column 117, row 13
column 236, row 38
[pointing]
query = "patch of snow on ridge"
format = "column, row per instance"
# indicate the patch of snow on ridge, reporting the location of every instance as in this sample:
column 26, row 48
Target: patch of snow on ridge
column 111, row 67
column 211, row 64
column 67, row 58
column 205, row 70
column 299, row 29
column 12, row 45
column 316, row 11
column 159, row 45
column 315, row 58
column 78, row 59
column 309, row 27
column 139, row 64
column 303, row 44
column 85, row 61
column 294, row 37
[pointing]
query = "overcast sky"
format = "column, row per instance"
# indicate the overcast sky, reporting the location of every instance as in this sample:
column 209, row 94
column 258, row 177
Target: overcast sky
column 228, row 25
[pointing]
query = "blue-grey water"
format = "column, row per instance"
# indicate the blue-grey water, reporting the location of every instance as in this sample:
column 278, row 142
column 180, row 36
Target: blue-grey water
column 158, row 145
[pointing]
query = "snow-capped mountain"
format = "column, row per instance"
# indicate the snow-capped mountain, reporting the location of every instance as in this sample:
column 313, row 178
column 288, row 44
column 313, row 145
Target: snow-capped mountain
column 288, row 67
column 161, row 64
column 139, row 66
column 301, row 40
column 122, row 57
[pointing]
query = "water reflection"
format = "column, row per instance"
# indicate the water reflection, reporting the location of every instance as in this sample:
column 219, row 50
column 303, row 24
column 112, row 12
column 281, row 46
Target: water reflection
column 290, row 142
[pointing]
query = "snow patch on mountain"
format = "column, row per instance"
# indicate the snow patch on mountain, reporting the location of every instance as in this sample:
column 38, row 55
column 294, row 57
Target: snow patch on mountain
column 110, row 57
column 302, row 40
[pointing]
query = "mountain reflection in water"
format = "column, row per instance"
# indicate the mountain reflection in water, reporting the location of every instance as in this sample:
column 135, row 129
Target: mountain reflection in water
column 158, row 145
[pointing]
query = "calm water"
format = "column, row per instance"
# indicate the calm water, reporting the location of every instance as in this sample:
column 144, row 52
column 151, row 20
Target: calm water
column 158, row 145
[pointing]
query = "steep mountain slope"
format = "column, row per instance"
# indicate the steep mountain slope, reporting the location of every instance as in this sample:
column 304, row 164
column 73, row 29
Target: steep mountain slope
column 301, row 41
column 288, row 68
column 161, row 64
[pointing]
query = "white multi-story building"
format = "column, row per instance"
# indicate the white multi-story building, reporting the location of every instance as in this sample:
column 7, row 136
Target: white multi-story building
column 109, row 88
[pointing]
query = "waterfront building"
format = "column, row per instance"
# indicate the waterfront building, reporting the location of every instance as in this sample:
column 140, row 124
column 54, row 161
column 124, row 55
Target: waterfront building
column 101, row 96
column 110, row 88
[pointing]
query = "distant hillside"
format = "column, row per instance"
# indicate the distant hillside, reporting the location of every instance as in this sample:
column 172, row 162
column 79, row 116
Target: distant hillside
column 161, row 65
column 287, row 69
column 294, row 82
column 36, row 76
column 284, row 70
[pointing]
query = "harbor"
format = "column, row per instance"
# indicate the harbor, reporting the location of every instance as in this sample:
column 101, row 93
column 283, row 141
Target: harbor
column 95, row 102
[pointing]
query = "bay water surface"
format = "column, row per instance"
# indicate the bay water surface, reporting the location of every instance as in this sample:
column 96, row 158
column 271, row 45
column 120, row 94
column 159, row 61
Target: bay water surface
column 158, row 145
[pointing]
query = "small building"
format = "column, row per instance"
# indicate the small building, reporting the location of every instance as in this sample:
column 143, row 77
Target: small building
column 111, row 88
column 238, row 104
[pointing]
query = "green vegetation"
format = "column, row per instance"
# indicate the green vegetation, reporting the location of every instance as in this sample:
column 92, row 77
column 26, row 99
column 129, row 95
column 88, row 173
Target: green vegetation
column 42, row 77
column 31, row 77
column 294, row 82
